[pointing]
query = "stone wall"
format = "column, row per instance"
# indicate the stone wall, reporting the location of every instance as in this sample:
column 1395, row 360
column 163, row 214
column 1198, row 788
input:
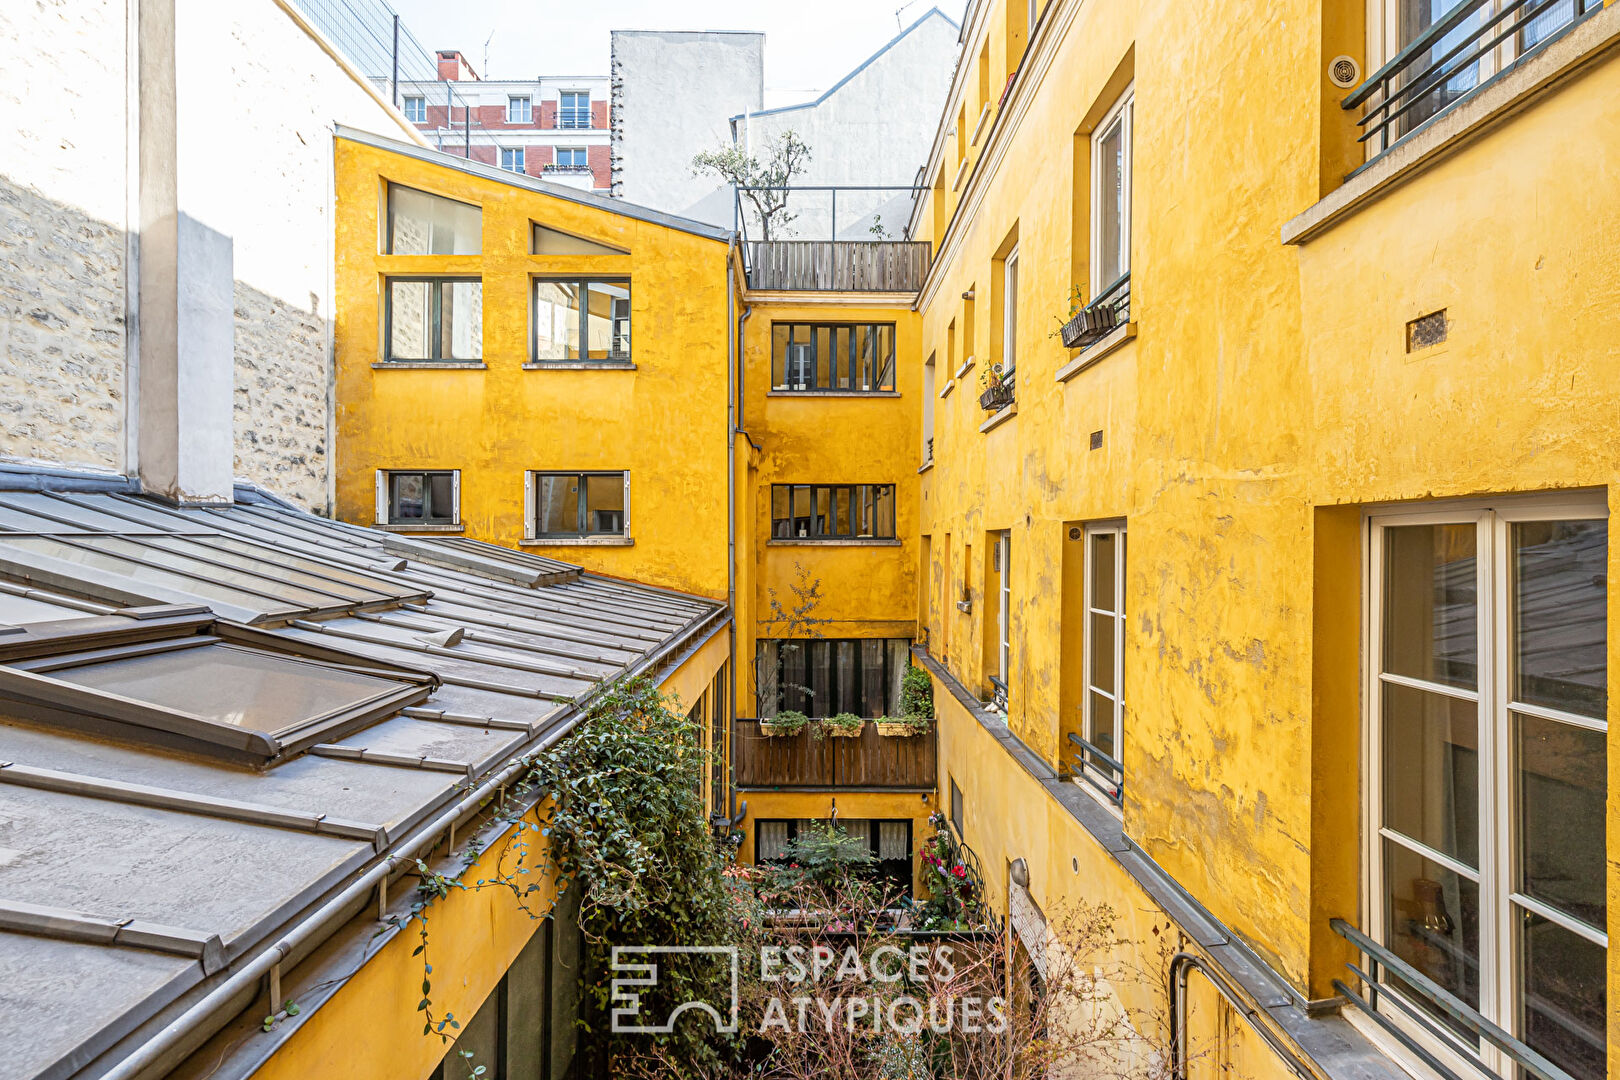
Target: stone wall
column 281, row 400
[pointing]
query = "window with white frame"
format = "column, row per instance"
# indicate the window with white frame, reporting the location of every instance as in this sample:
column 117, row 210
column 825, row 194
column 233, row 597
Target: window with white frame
column 1111, row 195
column 512, row 158
column 1009, row 314
column 576, row 504
column 415, row 497
column 1487, row 766
column 519, row 110
column 572, row 157
column 1104, row 663
column 416, row 110
column 574, row 109
column 1001, row 567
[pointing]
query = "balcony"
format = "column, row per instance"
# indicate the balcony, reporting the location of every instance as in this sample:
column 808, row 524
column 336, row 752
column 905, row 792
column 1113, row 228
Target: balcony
column 870, row 762
column 830, row 239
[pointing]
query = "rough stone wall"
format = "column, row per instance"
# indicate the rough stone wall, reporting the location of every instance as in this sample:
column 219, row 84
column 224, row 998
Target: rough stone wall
column 280, row 406
column 62, row 333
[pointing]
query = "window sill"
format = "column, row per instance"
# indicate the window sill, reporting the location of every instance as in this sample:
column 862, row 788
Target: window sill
column 925, row 466
column 833, row 393
column 1497, row 100
column 950, row 384
column 421, row 528
column 794, row 541
column 967, row 366
column 577, row 541
column 579, row 365
column 1116, row 339
column 430, row 365
column 1000, row 418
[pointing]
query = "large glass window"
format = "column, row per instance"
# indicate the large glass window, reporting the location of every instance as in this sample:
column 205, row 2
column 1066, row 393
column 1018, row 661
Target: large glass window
column 419, row 498
column 423, row 224
column 826, row 676
column 569, row 313
column 810, row 357
column 574, row 109
column 1111, row 196
column 434, row 319
column 832, row 512
column 578, row 504
column 1104, row 704
column 1489, row 708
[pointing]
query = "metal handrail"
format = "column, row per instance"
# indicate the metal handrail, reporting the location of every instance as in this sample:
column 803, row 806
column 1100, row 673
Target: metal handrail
column 740, row 217
column 1117, row 797
column 1449, row 1003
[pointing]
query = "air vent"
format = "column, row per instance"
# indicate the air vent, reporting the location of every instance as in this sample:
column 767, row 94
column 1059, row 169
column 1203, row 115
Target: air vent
column 1426, row 331
column 1344, row 72
column 1096, row 440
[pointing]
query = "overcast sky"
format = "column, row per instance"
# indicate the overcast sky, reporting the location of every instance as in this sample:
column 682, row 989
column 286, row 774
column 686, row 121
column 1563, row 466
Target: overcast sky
column 809, row 44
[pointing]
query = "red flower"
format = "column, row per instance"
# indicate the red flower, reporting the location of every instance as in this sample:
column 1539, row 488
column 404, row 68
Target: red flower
column 959, row 870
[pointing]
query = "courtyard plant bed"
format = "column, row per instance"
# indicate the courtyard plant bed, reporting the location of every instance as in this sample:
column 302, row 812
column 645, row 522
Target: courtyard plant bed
column 785, row 723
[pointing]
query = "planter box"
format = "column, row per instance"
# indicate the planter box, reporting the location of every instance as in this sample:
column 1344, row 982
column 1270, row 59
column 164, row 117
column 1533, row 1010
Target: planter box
column 996, row 398
column 1090, row 324
column 896, row 730
column 842, row 733
column 778, row 731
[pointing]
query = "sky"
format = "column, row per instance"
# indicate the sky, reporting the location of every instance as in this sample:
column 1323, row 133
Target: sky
column 809, row 44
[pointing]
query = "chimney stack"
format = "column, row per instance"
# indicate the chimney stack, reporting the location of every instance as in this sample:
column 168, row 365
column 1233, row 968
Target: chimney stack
column 453, row 67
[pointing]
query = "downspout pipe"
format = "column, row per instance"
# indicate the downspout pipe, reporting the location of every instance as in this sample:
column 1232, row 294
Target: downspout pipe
column 732, row 337
column 245, row 982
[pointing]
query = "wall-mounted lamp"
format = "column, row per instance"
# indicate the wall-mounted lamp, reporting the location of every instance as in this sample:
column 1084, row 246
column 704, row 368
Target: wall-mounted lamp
column 968, row 295
column 1018, row 872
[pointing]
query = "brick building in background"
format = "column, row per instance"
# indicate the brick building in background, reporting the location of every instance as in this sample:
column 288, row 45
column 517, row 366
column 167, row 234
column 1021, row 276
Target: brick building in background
column 551, row 126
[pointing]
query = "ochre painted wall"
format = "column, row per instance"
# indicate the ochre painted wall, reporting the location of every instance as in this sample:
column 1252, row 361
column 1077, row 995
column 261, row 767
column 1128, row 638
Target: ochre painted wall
column 665, row 421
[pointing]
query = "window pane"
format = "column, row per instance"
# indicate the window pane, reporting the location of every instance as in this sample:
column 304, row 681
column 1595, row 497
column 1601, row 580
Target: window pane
column 767, row 677
column 840, row 525
column 1553, row 19
column 1103, row 643
column 1560, row 624
column 883, row 511
column 410, row 320
column 1431, row 770
column 863, row 510
column 770, row 840
column 556, row 320
column 820, row 690
column 556, row 504
column 899, row 660
column 461, row 320
column 1110, row 167
column 1565, row 997
column 1563, row 783
column 1102, row 571
column 604, row 503
column 794, row 657
column 865, row 360
column 781, row 520
column 822, row 501
column 1102, row 726
column 873, row 697
column 779, row 354
column 1009, row 358
column 607, row 320
column 1430, row 605
column 885, row 358
column 423, row 224
column 843, row 345
column 441, row 496
column 847, row 660
column 801, row 511
column 824, row 357
column 1432, row 922
column 406, row 497
column 1417, row 16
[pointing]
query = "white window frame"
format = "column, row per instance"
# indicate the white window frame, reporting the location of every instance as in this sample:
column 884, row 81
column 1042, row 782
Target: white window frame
column 1003, row 557
column 1088, row 719
column 415, row 109
column 583, row 151
column 381, row 515
column 1009, row 314
column 519, row 157
column 1034, row 17
column 528, row 507
column 1500, row 973
column 1124, row 113
column 518, row 116
column 590, row 106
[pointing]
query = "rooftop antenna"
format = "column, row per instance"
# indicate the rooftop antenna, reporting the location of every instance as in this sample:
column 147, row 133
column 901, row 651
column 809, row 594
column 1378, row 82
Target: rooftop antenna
column 898, row 24
column 492, row 38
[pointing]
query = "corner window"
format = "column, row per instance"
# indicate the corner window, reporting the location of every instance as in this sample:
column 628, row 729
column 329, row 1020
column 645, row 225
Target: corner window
column 574, row 109
column 1488, row 768
column 582, row 320
column 811, row 357
column 568, row 505
column 419, row 498
column 512, row 159
column 1104, row 662
column 832, row 512
column 416, row 110
column 423, row 224
column 433, row 319
column 1111, row 196
column 519, row 110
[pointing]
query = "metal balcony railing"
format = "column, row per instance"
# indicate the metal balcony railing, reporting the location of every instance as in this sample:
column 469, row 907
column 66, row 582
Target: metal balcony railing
column 553, row 167
column 1389, row 985
column 1453, row 57
column 573, row 118
column 1099, row 769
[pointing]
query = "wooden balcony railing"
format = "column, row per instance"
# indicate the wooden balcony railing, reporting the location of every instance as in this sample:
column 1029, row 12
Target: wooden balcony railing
column 838, row 265
column 871, row 761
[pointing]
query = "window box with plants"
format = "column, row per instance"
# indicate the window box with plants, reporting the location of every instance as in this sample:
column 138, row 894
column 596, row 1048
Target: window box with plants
column 842, row 726
column 997, row 389
column 786, row 723
column 902, row 727
column 1089, row 323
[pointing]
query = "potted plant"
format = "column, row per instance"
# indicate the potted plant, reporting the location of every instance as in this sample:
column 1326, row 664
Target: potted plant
column 902, row 727
column 786, row 722
column 1088, row 323
column 843, row 726
column 998, row 389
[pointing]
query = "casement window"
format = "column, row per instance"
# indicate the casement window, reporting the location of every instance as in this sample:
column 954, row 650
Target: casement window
column 832, row 512
column 810, row 357
column 1487, row 767
column 421, row 224
column 416, row 110
column 572, row 157
column 825, row 677
column 574, row 109
column 595, row 313
column 1009, row 315
column 519, row 110
column 433, row 319
column 956, row 808
column 512, row 159
column 1001, row 567
column 577, row 504
column 1111, row 148
column 406, row 497
column 1104, row 663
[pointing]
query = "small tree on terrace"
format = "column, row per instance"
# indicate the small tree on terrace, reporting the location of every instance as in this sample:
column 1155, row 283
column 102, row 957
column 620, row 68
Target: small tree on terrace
column 782, row 161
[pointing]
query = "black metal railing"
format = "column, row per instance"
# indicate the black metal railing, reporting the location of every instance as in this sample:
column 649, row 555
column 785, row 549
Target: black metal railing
column 1091, row 761
column 1442, row 65
column 1109, row 310
column 998, row 693
column 1437, row 1003
column 928, row 449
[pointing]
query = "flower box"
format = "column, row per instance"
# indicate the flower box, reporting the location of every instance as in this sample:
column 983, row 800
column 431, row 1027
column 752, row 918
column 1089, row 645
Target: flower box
column 996, row 397
column 1090, row 324
column 785, row 723
column 902, row 728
